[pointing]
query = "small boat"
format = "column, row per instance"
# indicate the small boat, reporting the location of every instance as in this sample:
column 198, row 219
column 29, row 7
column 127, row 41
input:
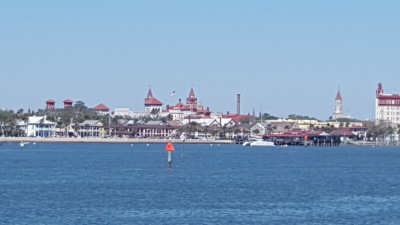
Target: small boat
column 247, row 143
column 262, row 143
column 22, row 144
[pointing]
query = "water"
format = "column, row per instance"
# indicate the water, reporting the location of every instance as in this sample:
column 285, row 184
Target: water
column 51, row 183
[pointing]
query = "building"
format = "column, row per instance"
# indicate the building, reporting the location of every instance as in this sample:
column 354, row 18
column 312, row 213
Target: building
column 68, row 103
column 180, row 111
column 90, row 128
column 39, row 126
column 50, row 104
column 101, row 109
column 152, row 104
column 387, row 107
column 338, row 113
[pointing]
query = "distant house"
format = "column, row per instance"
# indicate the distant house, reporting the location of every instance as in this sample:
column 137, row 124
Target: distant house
column 90, row 128
column 101, row 109
column 39, row 126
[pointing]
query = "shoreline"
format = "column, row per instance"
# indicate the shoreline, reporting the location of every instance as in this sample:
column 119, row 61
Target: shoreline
column 112, row 140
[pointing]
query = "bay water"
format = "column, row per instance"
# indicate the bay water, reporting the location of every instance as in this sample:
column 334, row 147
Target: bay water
column 71, row 183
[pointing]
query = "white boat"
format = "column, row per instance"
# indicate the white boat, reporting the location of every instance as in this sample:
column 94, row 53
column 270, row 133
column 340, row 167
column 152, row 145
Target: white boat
column 22, row 144
column 262, row 143
column 247, row 143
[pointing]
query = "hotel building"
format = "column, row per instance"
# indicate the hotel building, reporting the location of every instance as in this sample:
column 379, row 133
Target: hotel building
column 387, row 107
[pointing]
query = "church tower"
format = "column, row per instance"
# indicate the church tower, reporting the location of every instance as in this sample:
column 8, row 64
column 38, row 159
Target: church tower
column 191, row 101
column 338, row 108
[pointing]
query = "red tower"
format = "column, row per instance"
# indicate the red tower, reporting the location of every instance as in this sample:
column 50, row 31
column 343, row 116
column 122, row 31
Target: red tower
column 191, row 101
column 68, row 103
column 50, row 104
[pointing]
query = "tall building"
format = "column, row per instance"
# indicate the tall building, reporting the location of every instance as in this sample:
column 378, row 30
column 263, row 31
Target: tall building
column 151, row 103
column 387, row 107
column 192, row 102
column 338, row 113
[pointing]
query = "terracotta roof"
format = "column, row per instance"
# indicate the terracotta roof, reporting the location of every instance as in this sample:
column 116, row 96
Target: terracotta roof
column 342, row 132
column 338, row 96
column 180, row 104
column 50, row 101
column 68, row 101
column 152, row 101
column 387, row 96
column 101, row 107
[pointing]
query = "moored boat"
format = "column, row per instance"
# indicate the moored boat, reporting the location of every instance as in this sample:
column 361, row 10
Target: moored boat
column 262, row 143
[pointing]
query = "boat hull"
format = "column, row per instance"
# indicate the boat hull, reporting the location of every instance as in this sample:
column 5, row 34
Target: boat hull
column 262, row 143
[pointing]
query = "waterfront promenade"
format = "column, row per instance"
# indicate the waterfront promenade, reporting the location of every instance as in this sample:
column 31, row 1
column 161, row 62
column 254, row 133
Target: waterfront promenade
column 112, row 140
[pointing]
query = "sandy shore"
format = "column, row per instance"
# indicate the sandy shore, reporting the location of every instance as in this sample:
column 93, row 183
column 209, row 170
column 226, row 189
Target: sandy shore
column 112, row 140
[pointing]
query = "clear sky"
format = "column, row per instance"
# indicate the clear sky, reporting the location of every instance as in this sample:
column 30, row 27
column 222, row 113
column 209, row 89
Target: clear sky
column 283, row 57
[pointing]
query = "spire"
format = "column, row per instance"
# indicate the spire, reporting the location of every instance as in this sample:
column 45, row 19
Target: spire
column 338, row 96
column 379, row 91
column 191, row 94
column 150, row 94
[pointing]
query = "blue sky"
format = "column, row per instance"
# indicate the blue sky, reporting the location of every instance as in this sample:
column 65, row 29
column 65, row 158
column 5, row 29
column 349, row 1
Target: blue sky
column 286, row 56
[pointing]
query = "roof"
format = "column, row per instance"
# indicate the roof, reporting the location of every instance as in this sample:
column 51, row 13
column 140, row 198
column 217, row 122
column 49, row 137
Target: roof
column 39, row 119
column 50, row 101
column 68, row 101
column 101, row 107
column 338, row 96
column 92, row 123
column 388, row 96
column 342, row 132
column 155, row 122
column 152, row 101
column 236, row 117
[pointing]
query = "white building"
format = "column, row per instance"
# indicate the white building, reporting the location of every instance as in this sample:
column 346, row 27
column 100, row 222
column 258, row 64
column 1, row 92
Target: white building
column 338, row 114
column 387, row 107
column 39, row 126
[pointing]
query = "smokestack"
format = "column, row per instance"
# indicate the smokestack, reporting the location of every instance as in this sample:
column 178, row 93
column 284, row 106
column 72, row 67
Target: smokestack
column 238, row 104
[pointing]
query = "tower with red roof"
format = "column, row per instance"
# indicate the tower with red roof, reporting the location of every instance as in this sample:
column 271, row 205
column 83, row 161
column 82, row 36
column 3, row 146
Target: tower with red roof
column 387, row 107
column 338, row 114
column 68, row 103
column 50, row 104
column 151, row 103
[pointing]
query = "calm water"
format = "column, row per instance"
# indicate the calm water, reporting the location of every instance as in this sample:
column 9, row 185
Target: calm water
column 227, row 184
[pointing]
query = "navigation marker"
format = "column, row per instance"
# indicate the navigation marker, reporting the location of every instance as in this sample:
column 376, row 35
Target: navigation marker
column 169, row 148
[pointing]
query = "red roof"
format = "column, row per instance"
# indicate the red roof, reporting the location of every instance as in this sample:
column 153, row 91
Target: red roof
column 101, row 107
column 152, row 101
column 50, row 101
column 338, row 96
column 236, row 117
column 68, row 101
column 387, row 96
column 180, row 105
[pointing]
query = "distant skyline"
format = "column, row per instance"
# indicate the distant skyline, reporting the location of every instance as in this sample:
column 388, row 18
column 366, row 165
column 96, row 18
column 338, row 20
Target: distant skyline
column 283, row 57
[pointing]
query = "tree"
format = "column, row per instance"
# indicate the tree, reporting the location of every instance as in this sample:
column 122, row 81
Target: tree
column 267, row 116
column 299, row 117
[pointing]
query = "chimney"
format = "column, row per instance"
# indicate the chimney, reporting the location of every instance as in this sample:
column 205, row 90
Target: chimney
column 227, row 112
column 238, row 104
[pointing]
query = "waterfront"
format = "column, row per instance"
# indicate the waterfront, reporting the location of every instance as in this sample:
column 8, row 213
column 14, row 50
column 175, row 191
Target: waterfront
column 76, row 183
